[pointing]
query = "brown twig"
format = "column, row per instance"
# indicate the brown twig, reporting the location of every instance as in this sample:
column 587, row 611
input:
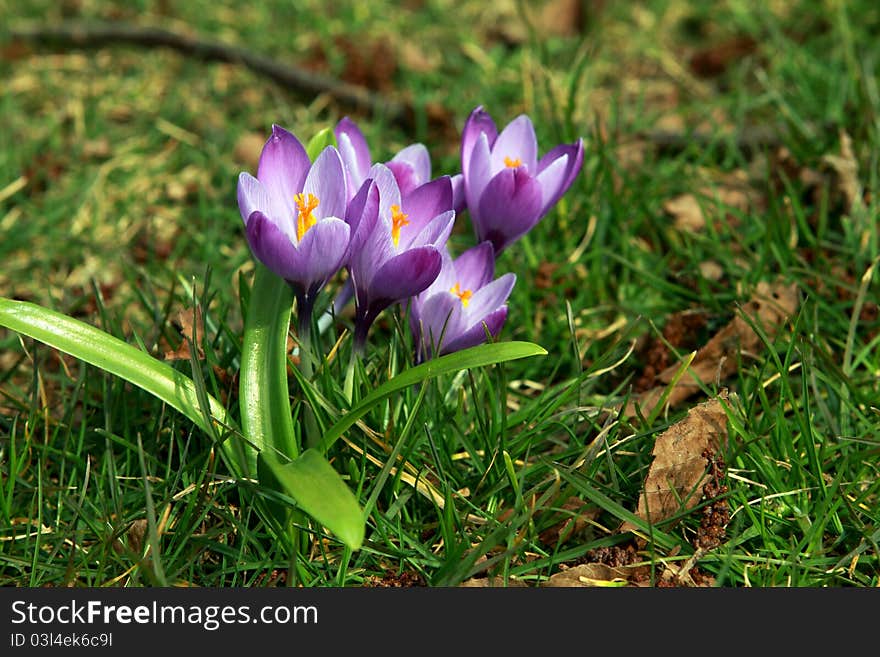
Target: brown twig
column 353, row 97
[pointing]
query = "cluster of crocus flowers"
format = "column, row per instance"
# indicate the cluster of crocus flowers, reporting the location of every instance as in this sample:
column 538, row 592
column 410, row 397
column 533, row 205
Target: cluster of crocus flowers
column 387, row 224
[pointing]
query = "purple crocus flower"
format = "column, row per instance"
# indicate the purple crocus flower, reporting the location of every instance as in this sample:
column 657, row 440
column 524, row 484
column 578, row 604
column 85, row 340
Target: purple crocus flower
column 396, row 242
column 294, row 215
column 506, row 187
column 411, row 166
column 462, row 303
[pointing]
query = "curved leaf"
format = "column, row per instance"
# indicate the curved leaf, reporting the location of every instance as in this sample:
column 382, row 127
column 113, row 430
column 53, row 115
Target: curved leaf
column 320, row 492
column 117, row 357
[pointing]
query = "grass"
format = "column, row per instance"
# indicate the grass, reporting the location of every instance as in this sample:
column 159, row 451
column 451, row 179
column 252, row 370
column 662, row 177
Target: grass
column 127, row 210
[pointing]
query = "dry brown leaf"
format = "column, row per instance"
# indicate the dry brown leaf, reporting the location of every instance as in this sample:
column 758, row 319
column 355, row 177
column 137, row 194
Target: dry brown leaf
column 192, row 328
column 682, row 456
column 711, row 270
column 490, row 582
column 136, row 535
column 598, row 574
column 687, row 210
column 769, row 307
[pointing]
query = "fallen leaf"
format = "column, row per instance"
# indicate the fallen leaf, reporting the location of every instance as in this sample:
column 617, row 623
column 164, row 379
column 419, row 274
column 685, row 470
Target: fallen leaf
column 686, row 212
column 599, row 574
column 711, row 270
column 192, row 329
column 718, row 359
column 690, row 213
column 136, row 533
column 681, row 458
column 491, row 582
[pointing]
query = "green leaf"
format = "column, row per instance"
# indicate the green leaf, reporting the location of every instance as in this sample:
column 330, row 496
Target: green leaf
column 263, row 393
column 479, row 356
column 321, row 140
column 320, row 492
column 117, row 357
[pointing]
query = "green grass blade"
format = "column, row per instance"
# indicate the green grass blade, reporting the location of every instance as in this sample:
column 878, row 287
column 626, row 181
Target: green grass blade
column 479, row 356
column 263, row 394
column 320, row 492
column 112, row 355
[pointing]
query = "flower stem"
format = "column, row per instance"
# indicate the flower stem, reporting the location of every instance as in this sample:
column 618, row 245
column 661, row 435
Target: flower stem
column 305, row 306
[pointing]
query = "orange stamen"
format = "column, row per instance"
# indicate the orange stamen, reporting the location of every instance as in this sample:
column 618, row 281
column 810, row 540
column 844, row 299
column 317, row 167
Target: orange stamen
column 305, row 219
column 513, row 164
column 464, row 295
column 398, row 221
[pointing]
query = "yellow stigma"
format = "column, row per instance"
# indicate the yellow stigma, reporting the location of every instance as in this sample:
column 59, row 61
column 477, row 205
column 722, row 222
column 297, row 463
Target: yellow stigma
column 305, row 219
column 464, row 295
column 513, row 164
column 398, row 221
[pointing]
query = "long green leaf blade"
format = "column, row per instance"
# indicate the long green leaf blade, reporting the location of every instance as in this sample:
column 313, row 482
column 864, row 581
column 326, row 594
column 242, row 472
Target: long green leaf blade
column 479, row 356
column 320, row 492
column 263, row 393
column 117, row 357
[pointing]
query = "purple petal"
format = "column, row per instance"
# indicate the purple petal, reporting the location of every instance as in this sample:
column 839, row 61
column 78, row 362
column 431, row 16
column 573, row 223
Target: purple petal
column 282, row 168
column 389, row 192
column 491, row 297
column 403, row 276
column 271, row 246
column 354, row 151
column 477, row 176
column 516, row 142
column 436, row 233
column 414, row 163
column 475, row 267
column 425, row 202
column 476, row 334
column 326, row 181
column 252, row 196
column 551, row 180
column 404, row 175
column 575, row 153
column 509, row 207
column 321, row 253
column 362, row 213
column 479, row 122
column 445, row 280
column 459, row 203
